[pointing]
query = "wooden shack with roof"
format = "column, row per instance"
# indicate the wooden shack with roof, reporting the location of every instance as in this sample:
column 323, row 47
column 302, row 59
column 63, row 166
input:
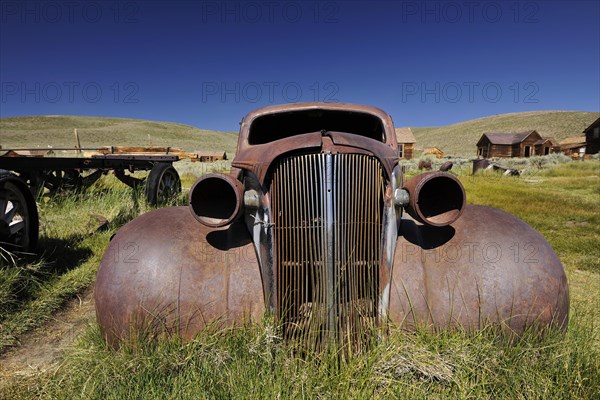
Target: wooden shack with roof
column 592, row 138
column 406, row 143
column 434, row 151
column 573, row 146
column 522, row 144
column 546, row 146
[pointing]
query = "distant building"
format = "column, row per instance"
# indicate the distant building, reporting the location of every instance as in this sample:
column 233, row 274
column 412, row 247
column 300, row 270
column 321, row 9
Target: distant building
column 406, row 143
column 210, row 156
column 523, row 144
column 543, row 147
column 592, row 137
column 573, row 146
column 434, row 151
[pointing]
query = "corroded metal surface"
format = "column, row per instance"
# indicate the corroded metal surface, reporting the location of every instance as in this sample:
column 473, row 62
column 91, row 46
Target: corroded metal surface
column 258, row 157
column 327, row 247
column 216, row 200
column 165, row 272
column 435, row 198
column 312, row 233
column 489, row 267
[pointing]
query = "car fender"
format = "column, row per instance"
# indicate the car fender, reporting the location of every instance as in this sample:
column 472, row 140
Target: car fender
column 487, row 267
column 165, row 272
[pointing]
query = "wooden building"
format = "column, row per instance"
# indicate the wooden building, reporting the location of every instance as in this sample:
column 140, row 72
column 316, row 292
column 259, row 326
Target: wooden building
column 546, row 146
column 523, row 144
column 406, row 143
column 573, row 146
column 434, row 151
column 592, row 138
column 210, row 156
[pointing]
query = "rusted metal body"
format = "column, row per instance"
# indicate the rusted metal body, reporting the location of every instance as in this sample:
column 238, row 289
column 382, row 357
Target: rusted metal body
column 309, row 227
column 427, row 206
column 488, row 267
column 166, row 272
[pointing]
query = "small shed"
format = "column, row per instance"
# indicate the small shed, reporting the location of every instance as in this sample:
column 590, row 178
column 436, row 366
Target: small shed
column 504, row 144
column 573, row 146
column 210, row 156
column 546, row 146
column 592, row 138
column 406, row 143
column 434, row 151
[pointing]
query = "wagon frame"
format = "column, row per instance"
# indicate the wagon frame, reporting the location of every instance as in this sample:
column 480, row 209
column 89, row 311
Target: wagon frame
column 25, row 174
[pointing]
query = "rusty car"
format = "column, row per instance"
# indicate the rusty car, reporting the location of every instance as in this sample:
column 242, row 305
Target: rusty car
column 317, row 226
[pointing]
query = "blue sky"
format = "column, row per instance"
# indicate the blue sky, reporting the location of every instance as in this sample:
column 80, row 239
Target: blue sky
column 207, row 63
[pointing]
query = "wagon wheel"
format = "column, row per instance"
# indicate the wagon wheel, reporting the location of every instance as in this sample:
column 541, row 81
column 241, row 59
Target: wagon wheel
column 72, row 180
column 163, row 184
column 35, row 181
column 19, row 225
column 59, row 180
column 49, row 179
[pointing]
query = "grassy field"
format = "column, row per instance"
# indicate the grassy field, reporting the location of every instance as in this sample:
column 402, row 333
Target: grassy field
column 460, row 139
column 560, row 201
column 57, row 131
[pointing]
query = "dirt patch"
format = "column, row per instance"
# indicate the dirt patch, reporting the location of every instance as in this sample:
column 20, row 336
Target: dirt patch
column 41, row 349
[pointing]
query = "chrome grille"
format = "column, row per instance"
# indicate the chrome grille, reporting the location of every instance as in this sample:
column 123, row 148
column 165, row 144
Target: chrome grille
column 327, row 211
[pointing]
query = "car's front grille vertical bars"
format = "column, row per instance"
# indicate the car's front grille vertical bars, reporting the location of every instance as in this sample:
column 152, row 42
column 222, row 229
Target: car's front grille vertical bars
column 327, row 212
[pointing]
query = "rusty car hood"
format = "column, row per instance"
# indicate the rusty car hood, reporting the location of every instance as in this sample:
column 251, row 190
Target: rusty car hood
column 257, row 157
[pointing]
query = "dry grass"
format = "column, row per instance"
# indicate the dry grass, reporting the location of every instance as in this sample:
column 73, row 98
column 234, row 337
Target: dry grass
column 57, row 131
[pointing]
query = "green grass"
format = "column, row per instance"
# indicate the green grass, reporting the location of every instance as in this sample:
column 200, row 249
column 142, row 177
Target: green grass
column 460, row 139
column 68, row 255
column 252, row 362
column 562, row 203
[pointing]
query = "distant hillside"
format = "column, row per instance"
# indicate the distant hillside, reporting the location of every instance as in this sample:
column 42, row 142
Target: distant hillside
column 457, row 139
column 57, row 131
column 460, row 139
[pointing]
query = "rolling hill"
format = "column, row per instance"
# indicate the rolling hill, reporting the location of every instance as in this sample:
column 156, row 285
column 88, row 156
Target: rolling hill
column 460, row 139
column 57, row 131
column 456, row 139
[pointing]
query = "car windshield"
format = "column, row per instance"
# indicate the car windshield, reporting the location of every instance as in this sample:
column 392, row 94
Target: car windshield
column 271, row 127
